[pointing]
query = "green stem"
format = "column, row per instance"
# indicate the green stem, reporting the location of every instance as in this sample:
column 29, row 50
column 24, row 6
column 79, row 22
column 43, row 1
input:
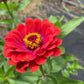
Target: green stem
column 42, row 71
column 5, row 2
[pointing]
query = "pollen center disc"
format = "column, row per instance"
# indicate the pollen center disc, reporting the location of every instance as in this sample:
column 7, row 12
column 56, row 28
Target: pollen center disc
column 32, row 40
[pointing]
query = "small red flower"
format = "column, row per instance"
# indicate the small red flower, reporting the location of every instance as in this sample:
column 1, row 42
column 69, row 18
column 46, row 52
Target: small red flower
column 29, row 45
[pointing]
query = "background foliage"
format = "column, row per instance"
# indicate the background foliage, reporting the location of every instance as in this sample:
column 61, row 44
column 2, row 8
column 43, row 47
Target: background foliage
column 48, row 72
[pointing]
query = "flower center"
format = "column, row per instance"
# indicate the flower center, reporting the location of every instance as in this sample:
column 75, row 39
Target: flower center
column 32, row 40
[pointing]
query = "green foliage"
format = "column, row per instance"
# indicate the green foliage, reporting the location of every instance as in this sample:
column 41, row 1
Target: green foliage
column 22, row 5
column 62, row 49
column 52, row 19
column 70, row 26
column 11, row 9
column 48, row 72
column 3, row 12
column 6, row 21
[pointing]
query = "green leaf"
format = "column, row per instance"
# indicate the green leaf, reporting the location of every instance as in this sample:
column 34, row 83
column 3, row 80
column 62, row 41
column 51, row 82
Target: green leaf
column 22, row 5
column 2, row 42
column 11, row 69
column 58, row 63
column 25, row 79
column 70, row 26
column 63, row 80
column 46, row 80
column 62, row 49
column 65, row 73
column 2, row 59
column 6, row 21
column 52, row 78
column 52, row 19
column 61, row 19
column 68, row 57
column 76, row 65
column 16, row 20
column 58, row 24
column 11, row 6
column 3, row 12
column 1, row 48
column 4, row 82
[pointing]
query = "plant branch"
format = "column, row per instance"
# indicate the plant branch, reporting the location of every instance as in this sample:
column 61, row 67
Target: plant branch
column 41, row 69
column 5, row 2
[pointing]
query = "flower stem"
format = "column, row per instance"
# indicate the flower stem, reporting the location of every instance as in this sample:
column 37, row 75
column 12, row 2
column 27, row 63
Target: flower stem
column 5, row 2
column 41, row 69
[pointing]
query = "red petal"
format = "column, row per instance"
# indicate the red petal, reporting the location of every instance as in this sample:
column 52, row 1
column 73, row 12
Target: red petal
column 56, row 52
column 21, row 29
column 47, row 41
column 45, row 26
column 8, row 52
column 14, row 58
column 51, row 47
column 15, row 33
column 29, row 25
column 30, row 56
column 40, row 60
column 48, row 53
column 34, row 67
column 45, row 20
column 54, row 41
column 22, row 67
column 58, row 42
column 57, row 31
column 21, row 57
column 10, row 62
column 37, row 25
column 41, row 52
column 37, row 49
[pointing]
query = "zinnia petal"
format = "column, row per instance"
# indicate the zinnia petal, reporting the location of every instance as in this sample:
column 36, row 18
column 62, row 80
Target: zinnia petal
column 40, row 60
column 22, row 67
column 57, row 52
column 48, row 54
column 34, row 67
column 11, row 62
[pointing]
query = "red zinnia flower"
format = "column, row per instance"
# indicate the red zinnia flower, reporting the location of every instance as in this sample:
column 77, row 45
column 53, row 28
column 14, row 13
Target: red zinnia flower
column 29, row 45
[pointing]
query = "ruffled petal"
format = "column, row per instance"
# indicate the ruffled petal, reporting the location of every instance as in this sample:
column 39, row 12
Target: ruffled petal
column 21, row 57
column 47, row 41
column 10, row 62
column 45, row 20
column 45, row 27
column 41, row 52
column 22, row 67
column 56, row 52
column 8, row 52
column 21, row 29
column 33, row 66
column 51, row 47
column 58, row 42
column 15, row 34
column 40, row 60
column 30, row 56
column 29, row 25
column 57, row 31
column 48, row 53
column 37, row 25
column 14, row 58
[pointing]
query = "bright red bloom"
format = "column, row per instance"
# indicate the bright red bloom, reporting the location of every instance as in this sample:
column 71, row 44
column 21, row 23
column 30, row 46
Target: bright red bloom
column 29, row 45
